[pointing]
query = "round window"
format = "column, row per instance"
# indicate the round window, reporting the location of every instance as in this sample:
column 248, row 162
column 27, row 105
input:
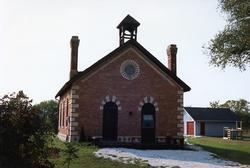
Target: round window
column 129, row 69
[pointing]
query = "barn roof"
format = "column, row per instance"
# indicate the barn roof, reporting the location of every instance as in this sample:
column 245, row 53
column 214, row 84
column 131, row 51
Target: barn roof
column 211, row 114
column 130, row 43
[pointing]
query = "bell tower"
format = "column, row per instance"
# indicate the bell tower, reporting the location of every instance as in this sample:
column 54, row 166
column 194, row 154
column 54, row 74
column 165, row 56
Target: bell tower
column 128, row 29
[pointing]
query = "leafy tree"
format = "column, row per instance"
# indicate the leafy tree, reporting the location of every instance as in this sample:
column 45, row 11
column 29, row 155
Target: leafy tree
column 49, row 113
column 240, row 107
column 23, row 135
column 214, row 104
column 70, row 153
column 231, row 47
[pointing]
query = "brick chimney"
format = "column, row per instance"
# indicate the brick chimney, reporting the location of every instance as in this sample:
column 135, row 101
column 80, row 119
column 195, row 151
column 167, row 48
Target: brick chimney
column 74, row 43
column 171, row 52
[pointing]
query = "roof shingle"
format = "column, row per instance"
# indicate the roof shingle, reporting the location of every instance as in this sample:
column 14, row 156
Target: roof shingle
column 211, row 114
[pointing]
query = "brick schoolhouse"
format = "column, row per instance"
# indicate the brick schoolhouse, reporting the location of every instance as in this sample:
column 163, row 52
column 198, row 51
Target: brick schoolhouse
column 127, row 96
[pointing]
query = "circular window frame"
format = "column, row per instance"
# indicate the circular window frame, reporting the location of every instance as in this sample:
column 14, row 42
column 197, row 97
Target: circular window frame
column 125, row 74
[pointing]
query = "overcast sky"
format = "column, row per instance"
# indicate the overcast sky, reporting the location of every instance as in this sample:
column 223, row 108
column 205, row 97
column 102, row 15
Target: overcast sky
column 35, row 50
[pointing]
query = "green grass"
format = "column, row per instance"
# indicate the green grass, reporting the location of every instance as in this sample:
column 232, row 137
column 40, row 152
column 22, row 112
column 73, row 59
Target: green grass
column 234, row 150
column 87, row 159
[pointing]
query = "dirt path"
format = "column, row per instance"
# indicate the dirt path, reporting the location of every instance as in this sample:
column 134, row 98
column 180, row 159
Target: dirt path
column 168, row 158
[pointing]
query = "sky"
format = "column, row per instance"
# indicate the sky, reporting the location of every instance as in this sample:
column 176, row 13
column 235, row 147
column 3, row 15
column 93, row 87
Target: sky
column 35, row 50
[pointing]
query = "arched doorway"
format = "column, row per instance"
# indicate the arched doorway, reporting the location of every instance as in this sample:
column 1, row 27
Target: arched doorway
column 110, row 121
column 148, row 123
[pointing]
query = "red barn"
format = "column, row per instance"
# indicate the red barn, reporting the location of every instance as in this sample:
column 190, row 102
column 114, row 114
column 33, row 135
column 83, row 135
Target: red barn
column 127, row 96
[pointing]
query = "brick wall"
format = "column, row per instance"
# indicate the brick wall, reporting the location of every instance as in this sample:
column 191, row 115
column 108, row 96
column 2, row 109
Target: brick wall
column 88, row 95
column 64, row 112
column 68, row 126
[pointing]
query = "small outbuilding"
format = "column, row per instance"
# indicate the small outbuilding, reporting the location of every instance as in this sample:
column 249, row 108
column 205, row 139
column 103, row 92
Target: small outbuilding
column 209, row 121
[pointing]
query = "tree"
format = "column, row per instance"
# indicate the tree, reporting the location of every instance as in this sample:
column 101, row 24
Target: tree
column 214, row 104
column 70, row 153
column 23, row 135
column 240, row 107
column 231, row 47
column 49, row 113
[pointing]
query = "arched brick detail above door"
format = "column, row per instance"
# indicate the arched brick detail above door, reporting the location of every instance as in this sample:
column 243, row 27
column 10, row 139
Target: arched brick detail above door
column 111, row 99
column 148, row 99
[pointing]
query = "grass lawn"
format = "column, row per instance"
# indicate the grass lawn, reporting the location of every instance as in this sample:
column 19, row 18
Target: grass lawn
column 87, row 159
column 234, row 150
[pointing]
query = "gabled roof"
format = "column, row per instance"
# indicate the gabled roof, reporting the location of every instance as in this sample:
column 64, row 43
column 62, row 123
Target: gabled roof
column 130, row 43
column 211, row 114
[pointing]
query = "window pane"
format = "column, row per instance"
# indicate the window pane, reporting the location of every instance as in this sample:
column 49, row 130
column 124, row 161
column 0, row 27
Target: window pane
column 148, row 117
column 148, row 121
